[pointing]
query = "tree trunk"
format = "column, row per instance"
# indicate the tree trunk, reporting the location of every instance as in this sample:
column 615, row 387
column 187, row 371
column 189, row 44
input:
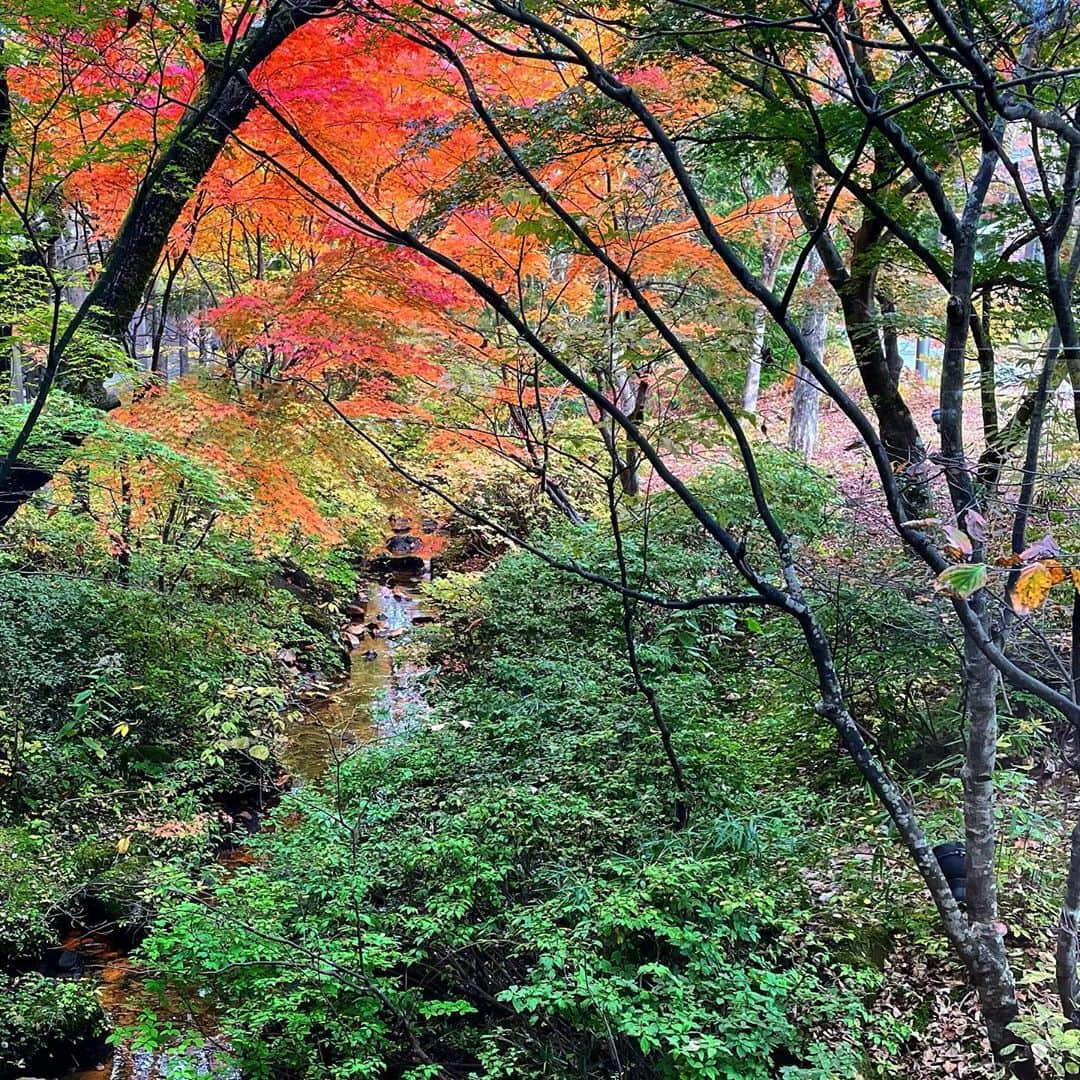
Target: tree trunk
column 18, row 390
column 752, row 386
column 123, row 555
column 854, row 283
column 628, row 474
column 806, row 396
column 223, row 102
column 1065, row 957
column 183, row 357
column 922, row 358
column 1066, row 953
column 889, row 337
column 770, row 263
column 988, row 963
column 896, row 425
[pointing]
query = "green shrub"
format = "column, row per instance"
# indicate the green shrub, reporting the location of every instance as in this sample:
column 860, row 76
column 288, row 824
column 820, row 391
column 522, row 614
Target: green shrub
column 124, row 716
column 106, row 686
column 502, row 892
column 40, row 1017
column 30, row 883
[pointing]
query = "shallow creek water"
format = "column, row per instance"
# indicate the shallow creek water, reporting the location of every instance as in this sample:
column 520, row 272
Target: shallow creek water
column 379, row 698
column 380, row 695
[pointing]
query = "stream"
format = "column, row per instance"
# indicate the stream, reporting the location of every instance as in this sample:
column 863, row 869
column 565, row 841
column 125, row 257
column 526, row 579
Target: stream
column 379, row 698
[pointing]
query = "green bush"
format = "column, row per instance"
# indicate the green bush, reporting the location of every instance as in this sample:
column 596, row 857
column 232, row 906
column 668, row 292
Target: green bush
column 124, row 716
column 110, row 687
column 30, row 883
column 502, row 893
column 42, row 1017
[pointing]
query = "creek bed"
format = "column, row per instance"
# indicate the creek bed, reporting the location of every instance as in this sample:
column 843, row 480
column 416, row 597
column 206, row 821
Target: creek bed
column 380, row 697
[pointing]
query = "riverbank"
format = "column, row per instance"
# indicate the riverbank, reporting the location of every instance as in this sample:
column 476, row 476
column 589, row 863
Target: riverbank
column 509, row 891
column 189, row 716
column 376, row 698
column 327, row 721
column 148, row 739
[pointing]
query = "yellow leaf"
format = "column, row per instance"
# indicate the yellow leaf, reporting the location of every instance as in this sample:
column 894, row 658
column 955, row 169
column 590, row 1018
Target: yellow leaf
column 1075, row 578
column 122, row 729
column 1034, row 585
column 123, row 844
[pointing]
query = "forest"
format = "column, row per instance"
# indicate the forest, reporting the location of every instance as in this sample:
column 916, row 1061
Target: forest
column 539, row 539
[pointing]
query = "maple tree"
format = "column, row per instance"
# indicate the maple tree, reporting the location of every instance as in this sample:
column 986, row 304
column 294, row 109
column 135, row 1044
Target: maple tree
column 522, row 227
column 154, row 99
column 895, row 156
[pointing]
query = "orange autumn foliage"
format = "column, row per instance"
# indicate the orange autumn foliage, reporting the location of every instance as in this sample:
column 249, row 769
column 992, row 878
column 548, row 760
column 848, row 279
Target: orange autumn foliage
column 247, row 449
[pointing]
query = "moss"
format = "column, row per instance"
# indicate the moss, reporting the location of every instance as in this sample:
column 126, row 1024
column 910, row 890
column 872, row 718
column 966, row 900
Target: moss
column 25, row 891
column 114, row 895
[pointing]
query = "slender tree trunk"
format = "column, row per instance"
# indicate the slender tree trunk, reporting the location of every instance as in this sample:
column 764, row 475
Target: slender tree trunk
column 18, row 390
column 1066, row 953
column 80, row 489
column 752, row 386
column 1065, row 956
column 899, row 434
column 633, row 403
column 853, row 282
column 988, row 964
column 922, row 358
column 159, row 364
column 123, row 558
column 958, row 319
column 183, row 358
column 988, row 405
column 770, row 263
column 889, row 337
column 977, row 943
column 806, row 395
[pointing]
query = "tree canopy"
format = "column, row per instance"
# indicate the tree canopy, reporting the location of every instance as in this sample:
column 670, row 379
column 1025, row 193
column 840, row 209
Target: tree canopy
column 779, row 299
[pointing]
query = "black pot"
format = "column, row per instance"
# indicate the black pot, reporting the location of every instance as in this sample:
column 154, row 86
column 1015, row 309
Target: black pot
column 952, row 858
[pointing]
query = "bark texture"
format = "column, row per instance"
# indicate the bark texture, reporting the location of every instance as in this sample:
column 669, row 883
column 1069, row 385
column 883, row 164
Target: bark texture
column 806, row 395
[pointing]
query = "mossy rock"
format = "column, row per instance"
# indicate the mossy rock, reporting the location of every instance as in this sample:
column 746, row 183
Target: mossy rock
column 91, row 857
column 115, row 894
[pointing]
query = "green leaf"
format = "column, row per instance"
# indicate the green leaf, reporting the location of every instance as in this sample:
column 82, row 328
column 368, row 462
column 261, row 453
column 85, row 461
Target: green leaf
column 961, row 580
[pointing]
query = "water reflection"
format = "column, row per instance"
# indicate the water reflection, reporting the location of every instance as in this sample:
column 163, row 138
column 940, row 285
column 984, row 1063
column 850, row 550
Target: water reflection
column 380, row 697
